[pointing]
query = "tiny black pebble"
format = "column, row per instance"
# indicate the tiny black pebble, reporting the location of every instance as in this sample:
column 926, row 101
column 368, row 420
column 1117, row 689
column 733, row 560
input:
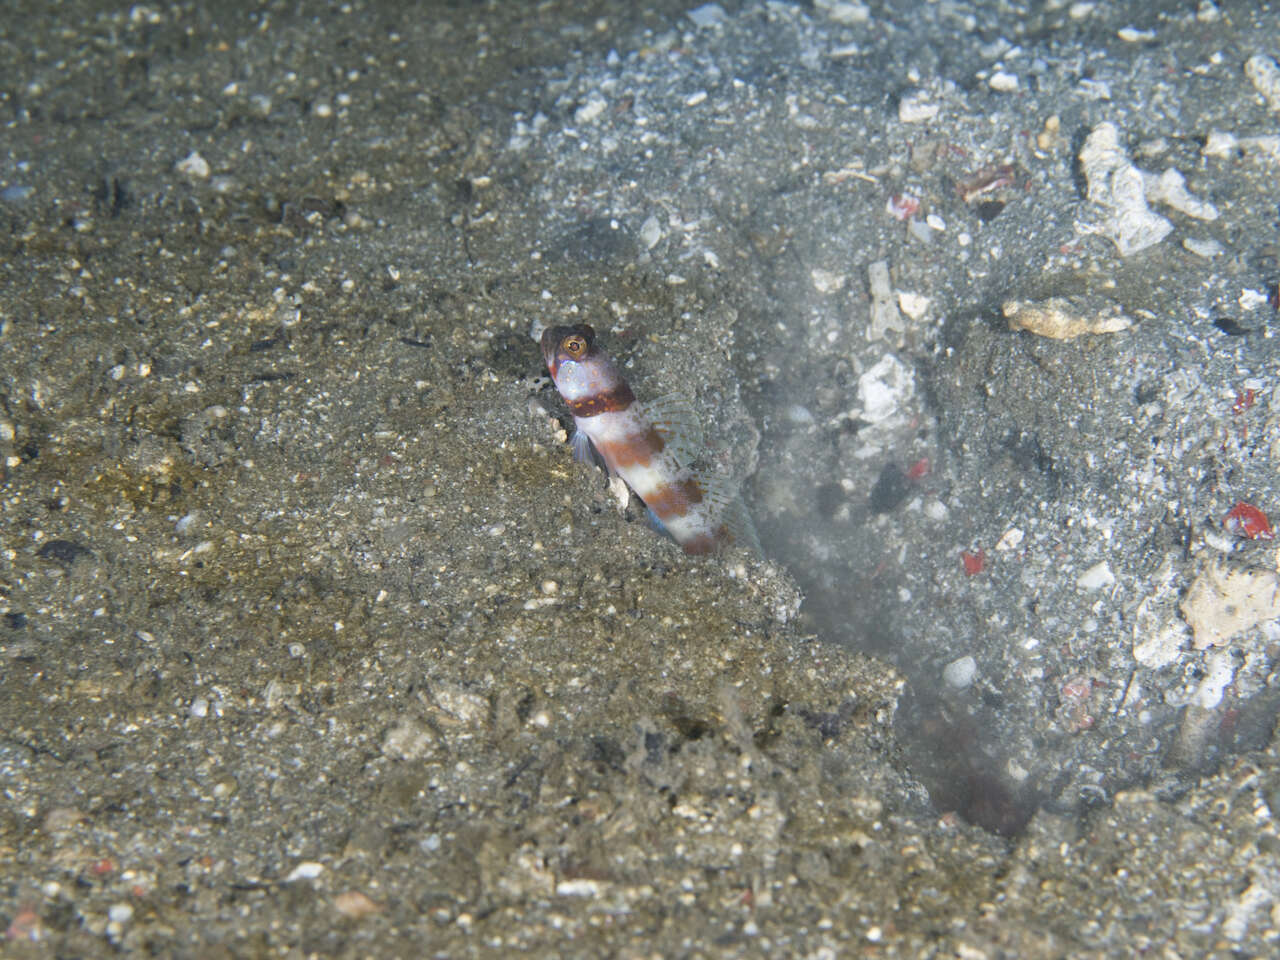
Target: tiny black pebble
column 890, row 489
column 830, row 496
column 988, row 210
column 1231, row 326
column 62, row 551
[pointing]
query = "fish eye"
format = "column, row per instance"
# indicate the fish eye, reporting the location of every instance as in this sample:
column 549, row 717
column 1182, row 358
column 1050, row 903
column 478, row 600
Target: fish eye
column 574, row 345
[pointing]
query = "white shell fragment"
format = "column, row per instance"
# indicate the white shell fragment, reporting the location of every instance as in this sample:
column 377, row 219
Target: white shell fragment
column 1096, row 577
column 193, row 165
column 1134, row 35
column 307, row 870
column 408, row 739
column 840, row 11
column 884, row 389
column 1225, row 601
column 455, row 707
column 1171, row 188
column 1118, row 187
column 591, row 110
column 1160, row 646
column 1063, row 319
column 960, row 673
column 916, row 107
column 1003, row 82
column 1219, row 671
column 913, row 305
column 621, row 493
column 1265, row 77
column 650, row 233
column 1205, row 247
column 1224, row 146
column 1159, row 634
column 1011, row 540
column 707, row 15
column 824, row 281
column 886, row 321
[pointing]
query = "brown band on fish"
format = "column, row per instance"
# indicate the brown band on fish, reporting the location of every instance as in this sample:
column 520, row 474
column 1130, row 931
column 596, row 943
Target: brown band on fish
column 634, row 451
column 668, row 501
column 619, row 398
column 691, row 490
column 703, row 543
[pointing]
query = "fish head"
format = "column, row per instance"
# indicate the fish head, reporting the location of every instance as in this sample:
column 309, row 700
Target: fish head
column 583, row 373
column 570, row 344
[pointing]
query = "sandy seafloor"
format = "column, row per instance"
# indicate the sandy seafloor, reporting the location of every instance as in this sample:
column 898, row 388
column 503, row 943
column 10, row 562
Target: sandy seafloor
column 315, row 641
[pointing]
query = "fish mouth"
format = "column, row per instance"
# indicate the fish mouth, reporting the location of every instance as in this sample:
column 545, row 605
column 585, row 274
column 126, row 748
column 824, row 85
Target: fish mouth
column 550, row 342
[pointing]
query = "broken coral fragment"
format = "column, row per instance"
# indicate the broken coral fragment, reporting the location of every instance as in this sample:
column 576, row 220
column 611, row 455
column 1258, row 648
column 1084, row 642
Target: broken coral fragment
column 1264, row 74
column 1225, row 601
column 1118, row 186
column 887, row 322
column 1171, row 188
column 1062, row 319
column 1159, row 634
column 1226, row 146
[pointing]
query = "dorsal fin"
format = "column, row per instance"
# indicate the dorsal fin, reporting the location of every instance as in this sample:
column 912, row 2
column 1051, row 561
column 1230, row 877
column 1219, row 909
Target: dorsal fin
column 673, row 416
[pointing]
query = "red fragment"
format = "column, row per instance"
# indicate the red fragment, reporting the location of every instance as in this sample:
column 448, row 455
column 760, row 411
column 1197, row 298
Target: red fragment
column 985, row 181
column 1246, row 520
column 918, row 469
column 973, row 562
column 25, row 924
column 103, row 866
column 1244, row 401
column 903, row 206
column 1077, row 688
column 1073, row 712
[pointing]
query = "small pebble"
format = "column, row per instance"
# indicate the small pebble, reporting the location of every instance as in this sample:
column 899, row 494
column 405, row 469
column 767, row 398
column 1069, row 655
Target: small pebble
column 825, row 281
column 1011, row 540
column 650, row 233
column 936, row 510
column 591, row 110
column 1003, row 82
column 707, row 15
column 799, row 415
column 1208, row 248
column 579, row 888
column 194, row 165
column 913, row 305
column 307, row 870
column 1096, row 577
column 917, row 108
column 355, row 905
column 16, row 193
column 960, row 673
